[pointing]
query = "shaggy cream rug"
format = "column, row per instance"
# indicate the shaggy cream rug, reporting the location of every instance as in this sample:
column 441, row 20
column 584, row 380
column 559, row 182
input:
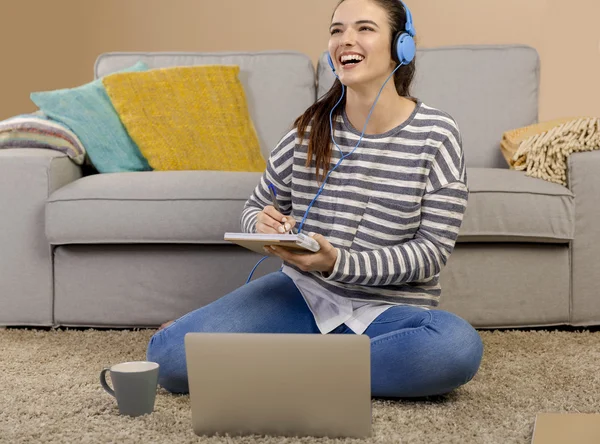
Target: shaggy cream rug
column 50, row 392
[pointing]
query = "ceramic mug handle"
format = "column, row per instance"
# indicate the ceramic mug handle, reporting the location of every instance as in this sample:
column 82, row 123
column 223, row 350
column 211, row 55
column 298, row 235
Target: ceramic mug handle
column 104, row 383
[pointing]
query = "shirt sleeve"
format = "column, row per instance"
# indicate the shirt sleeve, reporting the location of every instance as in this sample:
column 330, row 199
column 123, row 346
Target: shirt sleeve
column 278, row 173
column 442, row 209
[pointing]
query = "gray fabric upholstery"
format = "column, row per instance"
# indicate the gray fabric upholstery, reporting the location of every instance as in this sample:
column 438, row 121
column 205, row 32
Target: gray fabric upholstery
column 199, row 206
column 279, row 85
column 508, row 284
column 507, row 206
column 27, row 177
column 149, row 207
column 137, row 249
column 584, row 181
column 487, row 89
column 146, row 285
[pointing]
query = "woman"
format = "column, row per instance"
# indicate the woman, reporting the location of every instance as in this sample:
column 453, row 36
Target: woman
column 385, row 206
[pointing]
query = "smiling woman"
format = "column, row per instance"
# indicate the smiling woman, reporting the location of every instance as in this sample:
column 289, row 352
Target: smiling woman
column 385, row 206
column 370, row 30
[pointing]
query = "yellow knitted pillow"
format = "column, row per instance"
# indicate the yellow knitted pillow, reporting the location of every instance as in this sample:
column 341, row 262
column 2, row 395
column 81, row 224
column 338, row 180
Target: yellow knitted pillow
column 188, row 118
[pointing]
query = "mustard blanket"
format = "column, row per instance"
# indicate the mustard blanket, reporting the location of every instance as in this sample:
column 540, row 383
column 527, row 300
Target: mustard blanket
column 543, row 149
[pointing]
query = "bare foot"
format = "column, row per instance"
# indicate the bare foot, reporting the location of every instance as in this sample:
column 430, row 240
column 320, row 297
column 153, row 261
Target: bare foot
column 166, row 324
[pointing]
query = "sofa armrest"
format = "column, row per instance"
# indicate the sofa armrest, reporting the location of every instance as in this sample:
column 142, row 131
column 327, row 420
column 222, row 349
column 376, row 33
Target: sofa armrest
column 27, row 177
column 584, row 181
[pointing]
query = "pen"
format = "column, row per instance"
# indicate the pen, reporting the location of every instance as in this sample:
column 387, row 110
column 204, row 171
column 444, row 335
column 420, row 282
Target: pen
column 274, row 200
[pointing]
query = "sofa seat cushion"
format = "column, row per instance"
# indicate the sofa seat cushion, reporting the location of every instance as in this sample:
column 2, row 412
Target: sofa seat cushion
column 149, row 207
column 200, row 206
column 507, row 206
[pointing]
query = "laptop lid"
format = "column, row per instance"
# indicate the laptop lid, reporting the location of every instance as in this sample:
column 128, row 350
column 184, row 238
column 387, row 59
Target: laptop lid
column 279, row 384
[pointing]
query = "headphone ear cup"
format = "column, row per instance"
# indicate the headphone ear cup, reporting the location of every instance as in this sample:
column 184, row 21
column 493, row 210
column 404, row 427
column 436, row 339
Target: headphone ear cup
column 330, row 62
column 405, row 48
column 395, row 50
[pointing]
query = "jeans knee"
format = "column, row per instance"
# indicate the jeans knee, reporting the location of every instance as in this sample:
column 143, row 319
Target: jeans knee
column 463, row 347
column 474, row 355
column 172, row 371
column 466, row 361
column 469, row 353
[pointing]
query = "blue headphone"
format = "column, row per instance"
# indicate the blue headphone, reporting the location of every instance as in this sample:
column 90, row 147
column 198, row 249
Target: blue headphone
column 403, row 45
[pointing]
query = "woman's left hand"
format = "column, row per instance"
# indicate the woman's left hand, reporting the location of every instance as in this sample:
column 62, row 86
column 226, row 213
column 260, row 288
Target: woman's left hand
column 323, row 260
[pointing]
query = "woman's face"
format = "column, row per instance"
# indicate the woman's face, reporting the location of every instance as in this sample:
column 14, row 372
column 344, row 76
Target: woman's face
column 359, row 43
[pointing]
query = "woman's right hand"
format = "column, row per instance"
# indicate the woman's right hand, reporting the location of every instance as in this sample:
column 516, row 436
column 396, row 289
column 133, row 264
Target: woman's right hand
column 270, row 221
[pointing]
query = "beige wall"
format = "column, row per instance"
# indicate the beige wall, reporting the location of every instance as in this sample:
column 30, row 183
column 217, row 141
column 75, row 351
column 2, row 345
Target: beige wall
column 50, row 45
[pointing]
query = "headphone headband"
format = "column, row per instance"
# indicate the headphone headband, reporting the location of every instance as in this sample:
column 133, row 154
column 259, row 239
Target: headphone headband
column 410, row 29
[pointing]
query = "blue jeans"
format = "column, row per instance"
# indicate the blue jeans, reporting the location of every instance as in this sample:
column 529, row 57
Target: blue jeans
column 414, row 352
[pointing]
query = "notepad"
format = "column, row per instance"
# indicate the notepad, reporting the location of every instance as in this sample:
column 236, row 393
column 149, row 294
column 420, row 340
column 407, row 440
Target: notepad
column 298, row 243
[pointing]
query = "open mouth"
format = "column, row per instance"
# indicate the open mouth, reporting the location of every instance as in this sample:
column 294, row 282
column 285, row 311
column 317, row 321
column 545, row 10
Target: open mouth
column 351, row 60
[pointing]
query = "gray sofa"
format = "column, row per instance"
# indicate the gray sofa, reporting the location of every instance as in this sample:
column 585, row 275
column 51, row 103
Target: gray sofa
column 137, row 249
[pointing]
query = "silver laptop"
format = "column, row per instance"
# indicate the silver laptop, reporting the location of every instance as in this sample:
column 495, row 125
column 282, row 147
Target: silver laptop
column 280, row 384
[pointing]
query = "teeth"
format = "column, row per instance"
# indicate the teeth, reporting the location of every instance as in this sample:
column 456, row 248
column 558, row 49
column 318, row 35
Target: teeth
column 346, row 58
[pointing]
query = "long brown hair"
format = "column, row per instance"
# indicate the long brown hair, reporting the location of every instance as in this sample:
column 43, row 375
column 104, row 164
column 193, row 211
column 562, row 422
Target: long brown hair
column 317, row 115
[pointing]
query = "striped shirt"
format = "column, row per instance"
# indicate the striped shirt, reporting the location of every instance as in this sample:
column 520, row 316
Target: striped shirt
column 392, row 209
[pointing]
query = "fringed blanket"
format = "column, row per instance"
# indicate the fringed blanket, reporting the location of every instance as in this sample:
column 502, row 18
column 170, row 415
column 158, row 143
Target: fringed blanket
column 542, row 150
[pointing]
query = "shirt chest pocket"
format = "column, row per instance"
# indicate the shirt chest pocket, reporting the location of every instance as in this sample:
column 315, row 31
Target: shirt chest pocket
column 385, row 223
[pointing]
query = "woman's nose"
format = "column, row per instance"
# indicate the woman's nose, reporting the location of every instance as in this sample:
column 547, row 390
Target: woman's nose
column 348, row 39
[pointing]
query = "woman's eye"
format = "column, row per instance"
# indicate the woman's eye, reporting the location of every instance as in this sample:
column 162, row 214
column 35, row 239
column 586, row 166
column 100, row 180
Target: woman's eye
column 365, row 28
column 334, row 31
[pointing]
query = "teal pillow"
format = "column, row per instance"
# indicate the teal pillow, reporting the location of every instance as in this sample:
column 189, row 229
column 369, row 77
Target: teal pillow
column 89, row 113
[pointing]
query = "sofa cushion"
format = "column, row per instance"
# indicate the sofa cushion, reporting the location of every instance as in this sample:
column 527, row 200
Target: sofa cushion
column 188, row 117
column 507, row 206
column 279, row 85
column 149, row 207
column 87, row 111
column 200, row 206
column 488, row 89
